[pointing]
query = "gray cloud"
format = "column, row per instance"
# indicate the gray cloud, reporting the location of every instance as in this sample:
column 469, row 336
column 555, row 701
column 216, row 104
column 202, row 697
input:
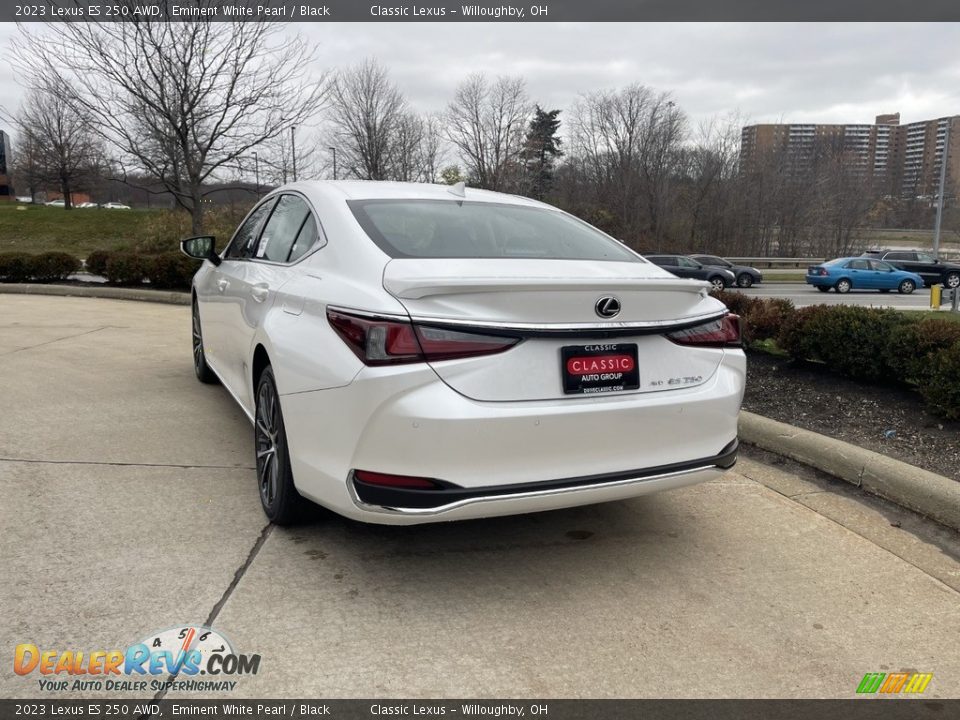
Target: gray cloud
column 832, row 72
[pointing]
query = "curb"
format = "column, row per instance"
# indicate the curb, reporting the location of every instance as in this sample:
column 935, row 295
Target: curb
column 927, row 493
column 170, row 297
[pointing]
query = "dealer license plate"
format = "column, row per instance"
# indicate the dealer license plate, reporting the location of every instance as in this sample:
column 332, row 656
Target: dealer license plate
column 599, row 368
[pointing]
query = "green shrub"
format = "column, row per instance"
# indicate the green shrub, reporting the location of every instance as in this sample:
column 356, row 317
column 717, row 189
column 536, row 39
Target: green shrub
column 171, row 271
column 792, row 337
column 940, row 383
column 125, row 268
column 766, row 316
column 912, row 346
column 50, row 266
column 736, row 302
column 15, row 266
column 853, row 340
column 96, row 262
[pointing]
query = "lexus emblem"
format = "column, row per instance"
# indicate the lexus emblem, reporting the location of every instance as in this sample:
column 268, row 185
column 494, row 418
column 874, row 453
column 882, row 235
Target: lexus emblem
column 607, row 307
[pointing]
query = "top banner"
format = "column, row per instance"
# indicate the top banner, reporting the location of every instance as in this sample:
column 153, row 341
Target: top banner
column 483, row 11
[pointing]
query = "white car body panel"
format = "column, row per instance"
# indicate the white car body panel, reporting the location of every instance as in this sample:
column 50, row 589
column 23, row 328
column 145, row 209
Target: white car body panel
column 494, row 420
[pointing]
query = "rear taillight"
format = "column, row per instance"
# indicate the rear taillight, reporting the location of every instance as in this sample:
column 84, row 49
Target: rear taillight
column 379, row 341
column 724, row 332
column 395, row 481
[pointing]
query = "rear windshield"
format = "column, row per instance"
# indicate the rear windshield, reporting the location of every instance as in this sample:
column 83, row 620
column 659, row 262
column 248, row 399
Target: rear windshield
column 451, row 229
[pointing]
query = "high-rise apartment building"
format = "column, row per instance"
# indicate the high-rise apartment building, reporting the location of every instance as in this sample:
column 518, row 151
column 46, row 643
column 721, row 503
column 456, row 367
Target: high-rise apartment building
column 899, row 159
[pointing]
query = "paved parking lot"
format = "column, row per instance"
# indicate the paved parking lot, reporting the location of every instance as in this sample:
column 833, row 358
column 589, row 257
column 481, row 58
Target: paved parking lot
column 129, row 506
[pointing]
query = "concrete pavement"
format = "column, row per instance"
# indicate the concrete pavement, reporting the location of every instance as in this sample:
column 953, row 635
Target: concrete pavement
column 129, row 506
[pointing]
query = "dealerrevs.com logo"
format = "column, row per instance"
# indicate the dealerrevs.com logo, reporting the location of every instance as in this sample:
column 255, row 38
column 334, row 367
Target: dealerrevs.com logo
column 170, row 659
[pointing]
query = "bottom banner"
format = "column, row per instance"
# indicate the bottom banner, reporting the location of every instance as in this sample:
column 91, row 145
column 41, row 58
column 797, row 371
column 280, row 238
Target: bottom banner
column 860, row 709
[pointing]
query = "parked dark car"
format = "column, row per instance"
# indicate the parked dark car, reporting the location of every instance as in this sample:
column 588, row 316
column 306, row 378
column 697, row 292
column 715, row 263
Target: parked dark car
column 924, row 264
column 685, row 267
column 745, row 275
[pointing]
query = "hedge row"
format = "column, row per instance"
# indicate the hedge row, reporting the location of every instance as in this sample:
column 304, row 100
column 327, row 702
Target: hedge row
column 167, row 271
column 863, row 343
column 45, row 267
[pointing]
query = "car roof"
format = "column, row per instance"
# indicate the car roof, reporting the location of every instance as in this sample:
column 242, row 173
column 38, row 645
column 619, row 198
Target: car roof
column 384, row 190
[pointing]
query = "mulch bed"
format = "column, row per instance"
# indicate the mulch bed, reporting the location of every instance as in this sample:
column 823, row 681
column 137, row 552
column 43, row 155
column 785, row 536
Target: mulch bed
column 883, row 418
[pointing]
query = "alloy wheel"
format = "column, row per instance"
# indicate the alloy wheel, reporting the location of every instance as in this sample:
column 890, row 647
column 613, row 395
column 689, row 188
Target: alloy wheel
column 717, row 284
column 952, row 280
column 267, row 443
column 197, row 341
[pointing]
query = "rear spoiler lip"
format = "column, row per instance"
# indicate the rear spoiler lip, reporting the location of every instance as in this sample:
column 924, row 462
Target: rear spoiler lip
column 416, row 289
column 565, row 330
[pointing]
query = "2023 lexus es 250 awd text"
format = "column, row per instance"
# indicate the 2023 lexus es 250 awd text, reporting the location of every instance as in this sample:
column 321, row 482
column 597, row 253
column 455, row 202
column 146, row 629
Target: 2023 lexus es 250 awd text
column 412, row 353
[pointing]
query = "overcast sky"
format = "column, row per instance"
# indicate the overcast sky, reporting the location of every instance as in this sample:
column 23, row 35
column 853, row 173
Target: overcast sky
column 767, row 72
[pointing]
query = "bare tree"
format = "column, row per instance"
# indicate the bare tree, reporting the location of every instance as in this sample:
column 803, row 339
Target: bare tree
column 181, row 100
column 367, row 111
column 628, row 144
column 59, row 147
column 432, row 151
column 486, row 122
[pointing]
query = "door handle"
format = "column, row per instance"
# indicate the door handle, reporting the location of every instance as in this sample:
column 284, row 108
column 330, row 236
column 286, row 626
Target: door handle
column 222, row 285
column 260, row 292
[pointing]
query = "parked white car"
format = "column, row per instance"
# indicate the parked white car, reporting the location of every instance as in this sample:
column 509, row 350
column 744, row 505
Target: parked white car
column 411, row 353
column 56, row 203
column 115, row 206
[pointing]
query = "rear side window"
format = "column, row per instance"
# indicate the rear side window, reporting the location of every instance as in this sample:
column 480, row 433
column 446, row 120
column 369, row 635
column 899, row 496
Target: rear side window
column 308, row 236
column 282, row 229
column 858, row 265
column 659, row 260
column 451, row 229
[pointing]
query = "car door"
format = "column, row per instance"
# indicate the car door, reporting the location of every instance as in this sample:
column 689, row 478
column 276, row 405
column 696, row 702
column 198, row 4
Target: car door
column 690, row 269
column 255, row 282
column 216, row 315
column 860, row 274
column 883, row 274
column 928, row 268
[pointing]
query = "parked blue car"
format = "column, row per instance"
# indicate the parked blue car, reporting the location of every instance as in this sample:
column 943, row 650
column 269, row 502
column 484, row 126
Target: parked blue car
column 858, row 273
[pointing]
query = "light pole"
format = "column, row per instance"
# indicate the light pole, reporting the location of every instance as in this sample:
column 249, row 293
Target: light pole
column 943, row 182
column 293, row 149
column 334, row 151
column 256, row 171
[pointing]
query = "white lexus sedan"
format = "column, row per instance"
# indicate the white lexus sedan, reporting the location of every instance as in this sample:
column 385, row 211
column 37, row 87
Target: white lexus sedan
column 411, row 353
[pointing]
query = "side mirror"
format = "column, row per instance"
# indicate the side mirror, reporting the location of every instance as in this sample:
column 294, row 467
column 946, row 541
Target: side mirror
column 201, row 248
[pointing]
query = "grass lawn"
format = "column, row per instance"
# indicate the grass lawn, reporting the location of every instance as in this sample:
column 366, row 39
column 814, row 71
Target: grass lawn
column 942, row 314
column 37, row 228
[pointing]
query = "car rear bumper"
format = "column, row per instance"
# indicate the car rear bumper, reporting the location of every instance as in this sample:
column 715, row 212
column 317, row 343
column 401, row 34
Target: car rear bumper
column 503, row 499
column 506, row 457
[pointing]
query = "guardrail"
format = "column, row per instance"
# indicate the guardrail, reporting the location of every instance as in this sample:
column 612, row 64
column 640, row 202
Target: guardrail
column 785, row 263
column 776, row 262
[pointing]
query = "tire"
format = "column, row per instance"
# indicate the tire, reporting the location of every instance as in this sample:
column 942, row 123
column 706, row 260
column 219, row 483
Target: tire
column 823, row 288
column 906, row 287
column 717, row 282
column 200, row 367
column 744, row 280
column 951, row 280
column 843, row 286
column 281, row 502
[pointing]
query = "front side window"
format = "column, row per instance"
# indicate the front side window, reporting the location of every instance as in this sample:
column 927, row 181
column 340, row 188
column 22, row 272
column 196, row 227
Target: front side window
column 923, row 257
column 898, row 256
column 245, row 239
column 881, row 266
column 452, row 229
column 687, row 262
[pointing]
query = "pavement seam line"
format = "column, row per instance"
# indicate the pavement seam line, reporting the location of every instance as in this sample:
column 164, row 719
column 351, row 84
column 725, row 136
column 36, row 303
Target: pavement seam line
column 127, row 464
column 218, row 606
column 55, row 340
